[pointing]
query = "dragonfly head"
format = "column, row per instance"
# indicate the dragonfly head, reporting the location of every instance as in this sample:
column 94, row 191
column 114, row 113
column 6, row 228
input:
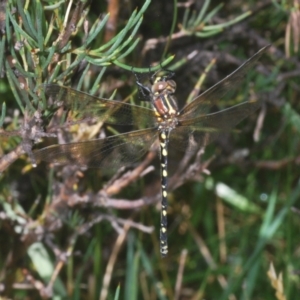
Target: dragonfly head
column 163, row 85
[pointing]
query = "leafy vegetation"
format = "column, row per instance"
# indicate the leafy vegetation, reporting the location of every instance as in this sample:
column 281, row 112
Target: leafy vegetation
column 234, row 213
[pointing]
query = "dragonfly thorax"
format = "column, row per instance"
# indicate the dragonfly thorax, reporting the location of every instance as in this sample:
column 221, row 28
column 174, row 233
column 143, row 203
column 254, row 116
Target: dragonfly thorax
column 163, row 100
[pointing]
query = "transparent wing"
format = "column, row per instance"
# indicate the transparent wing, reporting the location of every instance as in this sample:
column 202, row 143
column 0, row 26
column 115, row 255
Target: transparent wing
column 198, row 132
column 202, row 104
column 84, row 106
column 109, row 153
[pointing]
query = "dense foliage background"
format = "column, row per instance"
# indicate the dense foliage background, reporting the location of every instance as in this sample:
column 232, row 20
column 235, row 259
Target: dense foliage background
column 234, row 215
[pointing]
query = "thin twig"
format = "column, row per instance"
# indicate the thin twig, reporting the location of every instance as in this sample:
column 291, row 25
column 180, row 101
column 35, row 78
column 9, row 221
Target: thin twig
column 111, row 262
column 179, row 278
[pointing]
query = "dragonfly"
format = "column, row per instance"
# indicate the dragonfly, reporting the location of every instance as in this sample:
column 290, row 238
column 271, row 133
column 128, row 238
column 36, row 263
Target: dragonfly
column 192, row 127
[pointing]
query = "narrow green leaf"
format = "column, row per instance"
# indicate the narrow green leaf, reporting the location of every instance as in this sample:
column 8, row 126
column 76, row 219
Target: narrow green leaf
column 229, row 23
column 95, row 86
column 144, row 70
column 212, row 13
column 3, row 113
column 83, row 76
column 93, row 33
column 10, row 76
column 117, row 293
column 202, row 12
column 130, row 49
column 29, row 28
column 40, row 21
column 24, row 34
column 49, row 57
column 208, row 34
column 2, row 48
column 235, row 199
column 132, row 262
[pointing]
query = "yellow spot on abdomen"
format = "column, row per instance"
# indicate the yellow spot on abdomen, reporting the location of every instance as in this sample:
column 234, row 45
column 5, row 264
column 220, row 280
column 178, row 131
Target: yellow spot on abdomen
column 163, row 136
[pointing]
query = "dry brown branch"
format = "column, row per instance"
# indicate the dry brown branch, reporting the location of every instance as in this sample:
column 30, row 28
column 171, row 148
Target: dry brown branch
column 111, row 262
column 178, row 285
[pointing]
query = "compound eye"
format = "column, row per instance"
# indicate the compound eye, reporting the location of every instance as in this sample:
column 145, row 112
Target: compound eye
column 161, row 86
column 172, row 84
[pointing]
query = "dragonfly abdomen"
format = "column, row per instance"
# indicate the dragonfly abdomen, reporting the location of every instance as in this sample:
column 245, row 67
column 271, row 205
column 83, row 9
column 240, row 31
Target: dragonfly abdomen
column 164, row 140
